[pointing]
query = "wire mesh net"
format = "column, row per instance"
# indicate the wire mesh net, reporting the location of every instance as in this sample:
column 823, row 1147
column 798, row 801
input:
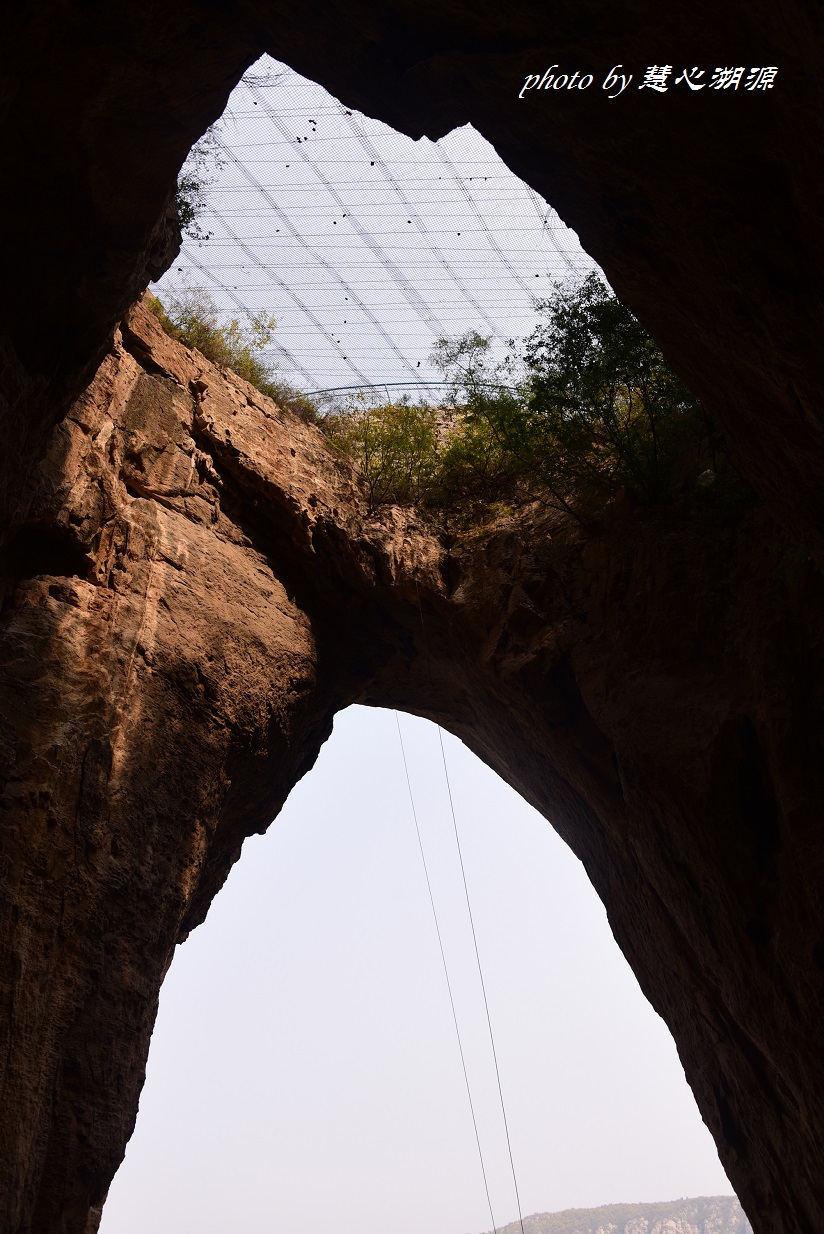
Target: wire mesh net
column 366, row 245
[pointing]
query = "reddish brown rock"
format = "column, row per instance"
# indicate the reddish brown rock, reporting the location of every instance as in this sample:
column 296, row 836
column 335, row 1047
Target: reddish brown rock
column 186, row 602
column 200, row 586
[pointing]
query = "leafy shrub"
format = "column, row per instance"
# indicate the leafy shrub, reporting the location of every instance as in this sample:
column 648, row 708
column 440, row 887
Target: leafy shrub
column 474, row 473
column 395, row 446
column 190, row 315
column 196, row 177
column 609, row 412
column 484, row 457
column 587, row 408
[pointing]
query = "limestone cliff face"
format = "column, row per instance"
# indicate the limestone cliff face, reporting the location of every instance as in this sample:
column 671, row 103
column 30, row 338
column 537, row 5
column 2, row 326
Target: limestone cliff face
column 198, row 585
column 171, row 661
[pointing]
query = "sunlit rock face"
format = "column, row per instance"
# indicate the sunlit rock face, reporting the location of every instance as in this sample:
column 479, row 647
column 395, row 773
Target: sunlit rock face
column 200, row 585
column 171, row 662
column 186, row 601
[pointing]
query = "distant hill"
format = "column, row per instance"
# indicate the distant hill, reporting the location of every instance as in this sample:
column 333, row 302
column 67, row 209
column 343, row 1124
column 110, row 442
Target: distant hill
column 717, row 1214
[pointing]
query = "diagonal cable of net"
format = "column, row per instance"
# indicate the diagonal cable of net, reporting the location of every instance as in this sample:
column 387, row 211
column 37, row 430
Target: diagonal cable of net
column 415, row 220
column 470, row 201
column 365, row 245
column 287, row 223
column 406, row 287
column 209, row 276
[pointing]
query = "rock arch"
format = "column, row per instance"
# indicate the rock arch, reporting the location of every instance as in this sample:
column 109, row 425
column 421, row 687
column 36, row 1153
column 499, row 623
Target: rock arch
column 656, row 690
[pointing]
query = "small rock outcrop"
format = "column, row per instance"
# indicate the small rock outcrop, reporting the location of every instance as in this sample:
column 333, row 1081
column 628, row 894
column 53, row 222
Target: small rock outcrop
column 198, row 585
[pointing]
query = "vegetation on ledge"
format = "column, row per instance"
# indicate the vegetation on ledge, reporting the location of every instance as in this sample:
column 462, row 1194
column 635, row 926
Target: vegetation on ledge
column 190, row 315
column 586, row 409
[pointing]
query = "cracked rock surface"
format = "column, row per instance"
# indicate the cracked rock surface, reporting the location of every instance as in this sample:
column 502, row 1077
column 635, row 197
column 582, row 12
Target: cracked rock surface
column 198, row 585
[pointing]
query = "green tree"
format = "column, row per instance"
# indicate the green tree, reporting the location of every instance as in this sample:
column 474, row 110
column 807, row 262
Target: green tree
column 485, row 457
column 395, row 446
column 190, row 315
column 588, row 406
column 609, row 411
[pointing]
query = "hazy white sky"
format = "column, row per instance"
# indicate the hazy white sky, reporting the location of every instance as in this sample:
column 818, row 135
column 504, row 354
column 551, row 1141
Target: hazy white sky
column 304, row 1072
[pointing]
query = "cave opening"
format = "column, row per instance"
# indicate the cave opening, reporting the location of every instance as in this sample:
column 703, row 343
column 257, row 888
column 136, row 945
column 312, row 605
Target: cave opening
column 730, row 292
column 366, row 246
column 304, row 1070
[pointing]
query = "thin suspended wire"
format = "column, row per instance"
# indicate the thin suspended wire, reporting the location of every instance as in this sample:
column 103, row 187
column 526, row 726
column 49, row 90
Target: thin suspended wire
column 445, row 972
column 472, row 925
column 481, row 976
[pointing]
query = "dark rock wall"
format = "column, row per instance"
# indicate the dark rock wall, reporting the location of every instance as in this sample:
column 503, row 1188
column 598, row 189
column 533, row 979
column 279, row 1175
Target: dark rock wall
column 656, row 692
column 199, row 588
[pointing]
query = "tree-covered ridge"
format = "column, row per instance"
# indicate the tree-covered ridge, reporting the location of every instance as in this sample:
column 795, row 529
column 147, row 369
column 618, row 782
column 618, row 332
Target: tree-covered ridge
column 584, row 410
column 720, row 1214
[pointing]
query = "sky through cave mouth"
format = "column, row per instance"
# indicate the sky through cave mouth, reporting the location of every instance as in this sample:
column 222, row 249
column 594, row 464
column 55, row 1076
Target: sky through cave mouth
column 304, row 1071
column 366, row 245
